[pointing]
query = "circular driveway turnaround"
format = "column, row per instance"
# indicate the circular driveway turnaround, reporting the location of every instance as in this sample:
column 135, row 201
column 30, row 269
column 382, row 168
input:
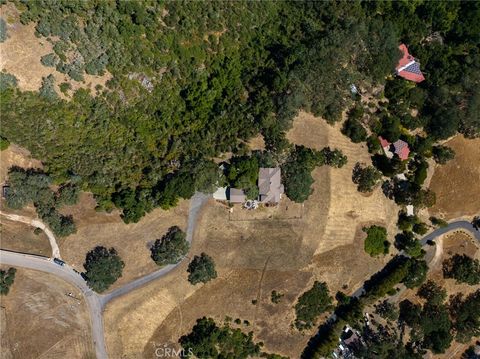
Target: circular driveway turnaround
column 97, row 302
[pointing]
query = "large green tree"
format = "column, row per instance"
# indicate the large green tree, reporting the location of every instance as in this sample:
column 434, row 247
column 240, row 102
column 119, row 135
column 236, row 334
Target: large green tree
column 463, row 268
column 376, row 241
column 201, row 269
column 102, row 268
column 171, row 248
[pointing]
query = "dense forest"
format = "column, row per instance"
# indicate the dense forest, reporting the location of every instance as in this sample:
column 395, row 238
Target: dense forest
column 194, row 79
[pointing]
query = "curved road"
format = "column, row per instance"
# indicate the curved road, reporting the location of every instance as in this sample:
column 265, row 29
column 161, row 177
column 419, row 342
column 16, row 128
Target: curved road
column 431, row 236
column 96, row 302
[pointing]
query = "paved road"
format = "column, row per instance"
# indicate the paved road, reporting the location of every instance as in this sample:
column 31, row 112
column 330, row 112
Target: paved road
column 431, row 237
column 69, row 275
column 196, row 204
column 38, row 224
column 96, row 302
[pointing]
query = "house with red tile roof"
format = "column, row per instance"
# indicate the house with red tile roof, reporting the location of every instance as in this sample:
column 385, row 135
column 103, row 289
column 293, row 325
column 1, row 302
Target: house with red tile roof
column 399, row 147
column 408, row 67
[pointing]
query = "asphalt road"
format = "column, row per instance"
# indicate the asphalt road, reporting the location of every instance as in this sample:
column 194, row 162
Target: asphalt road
column 96, row 302
column 69, row 275
column 431, row 237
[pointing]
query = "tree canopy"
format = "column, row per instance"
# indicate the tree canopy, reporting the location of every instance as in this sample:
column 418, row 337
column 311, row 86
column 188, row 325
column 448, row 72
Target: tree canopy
column 201, row 269
column 171, row 248
column 462, row 268
column 376, row 241
column 311, row 304
column 102, row 268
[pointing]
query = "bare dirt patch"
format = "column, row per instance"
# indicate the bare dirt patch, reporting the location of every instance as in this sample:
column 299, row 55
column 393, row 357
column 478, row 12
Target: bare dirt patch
column 40, row 321
column 16, row 156
column 21, row 53
column 19, row 237
column 256, row 143
column 132, row 241
column 457, row 183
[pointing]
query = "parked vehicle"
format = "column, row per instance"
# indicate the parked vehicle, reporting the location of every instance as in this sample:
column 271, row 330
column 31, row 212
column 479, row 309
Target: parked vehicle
column 59, row 262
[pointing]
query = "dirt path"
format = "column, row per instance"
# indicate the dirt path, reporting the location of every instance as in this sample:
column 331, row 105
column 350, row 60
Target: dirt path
column 38, row 224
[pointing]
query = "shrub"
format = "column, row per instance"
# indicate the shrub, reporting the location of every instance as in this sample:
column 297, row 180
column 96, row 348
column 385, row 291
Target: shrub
column 6, row 280
column 3, row 30
column 7, row 81
column 4, row 143
column 275, row 296
column 442, row 154
column 376, row 242
column 49, row 60
column 68, row 195
column 438, row 222
column 48, row 88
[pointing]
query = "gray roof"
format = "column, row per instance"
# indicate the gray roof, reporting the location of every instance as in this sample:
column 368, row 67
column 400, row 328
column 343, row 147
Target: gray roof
column 236, row 195
column 270, row 185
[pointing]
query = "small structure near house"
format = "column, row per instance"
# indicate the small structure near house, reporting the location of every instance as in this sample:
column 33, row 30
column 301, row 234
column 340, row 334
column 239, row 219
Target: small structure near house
column 220, row 194
column 408, row 67
column 5, row 190
column 235, row 195
column 410, row 211
column 250, row 204
column 270, row 185
column 399, row 147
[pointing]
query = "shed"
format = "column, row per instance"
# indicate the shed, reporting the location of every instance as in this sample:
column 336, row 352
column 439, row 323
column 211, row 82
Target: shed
column 220, row 194
column 236, row 195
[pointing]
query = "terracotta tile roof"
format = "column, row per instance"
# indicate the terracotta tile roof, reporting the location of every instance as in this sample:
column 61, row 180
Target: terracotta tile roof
column 408, row 67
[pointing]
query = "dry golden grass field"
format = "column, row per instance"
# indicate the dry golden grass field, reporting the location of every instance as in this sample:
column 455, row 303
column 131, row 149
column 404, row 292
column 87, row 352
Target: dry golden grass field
column 255, row 257
column 132, row 241
column 38, row 319
column 93, row 228
column 19, row 237
column 457, row 183
column 21, row 53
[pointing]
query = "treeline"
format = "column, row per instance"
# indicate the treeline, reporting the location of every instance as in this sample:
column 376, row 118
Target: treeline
column 195, row 79
column 349, row 310
column 207, row 339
